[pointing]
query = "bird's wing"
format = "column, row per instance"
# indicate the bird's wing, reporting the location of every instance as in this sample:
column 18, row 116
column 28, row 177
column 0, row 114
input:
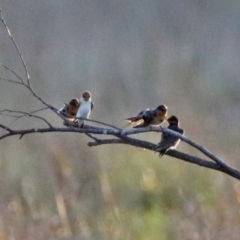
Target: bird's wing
column 165, row 145
column 168, row 143
column 181, row 131
column 176, row 129
column 141, row 114
column 148, row 117
column 77, row 115
column 133, row 119
column 63, row 109
column 138, row 116
column 60, row 110
column 139, row 123
column 167, row 140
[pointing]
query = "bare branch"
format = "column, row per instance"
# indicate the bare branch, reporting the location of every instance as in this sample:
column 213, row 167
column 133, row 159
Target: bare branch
column 29, row 115
column 92, row 137
column 197, row 146
column 173, row 153
column 106, row 141
column 74, row 124
column 86, row 129
column 99, row 122
column 9, row 80
column 182, row 137
column 27, row 85
column 6, row 128
column 123, row 139
column 14, row 73
column 30, row 89
column 19, row 117
column 17, row 48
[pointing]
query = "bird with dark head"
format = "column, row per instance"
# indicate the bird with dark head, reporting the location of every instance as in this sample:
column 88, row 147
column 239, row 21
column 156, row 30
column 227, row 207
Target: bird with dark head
column 149, row 117
column 169, row 141
column 70, row 109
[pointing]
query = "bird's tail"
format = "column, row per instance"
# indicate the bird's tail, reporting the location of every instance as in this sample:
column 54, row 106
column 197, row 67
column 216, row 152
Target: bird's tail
column 133, row 119
column 141, row 124
column 161, row 153
column 127, row 124
column 161, row 150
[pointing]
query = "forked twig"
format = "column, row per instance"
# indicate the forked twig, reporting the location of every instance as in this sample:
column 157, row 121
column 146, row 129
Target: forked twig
column 17, row 48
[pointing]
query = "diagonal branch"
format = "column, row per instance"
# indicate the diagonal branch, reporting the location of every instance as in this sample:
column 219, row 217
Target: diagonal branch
column 88, row 130
column 27, row 85
column 17, row 48
column 182, row 137
column 55, row 110
column 173, row 153
column 197, row 146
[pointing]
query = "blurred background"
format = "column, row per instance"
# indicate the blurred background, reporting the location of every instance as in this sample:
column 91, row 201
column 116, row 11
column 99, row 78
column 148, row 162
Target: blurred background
column 131, row 55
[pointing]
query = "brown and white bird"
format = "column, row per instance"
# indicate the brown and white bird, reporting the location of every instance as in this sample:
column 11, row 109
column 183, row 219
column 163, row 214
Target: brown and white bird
column 169, row 141
column 85, row 108
column 70, row 109
column 149, row 117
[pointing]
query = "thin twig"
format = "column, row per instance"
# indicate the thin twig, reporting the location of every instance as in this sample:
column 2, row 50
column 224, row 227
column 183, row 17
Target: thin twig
column 28, row 85
column 26, row 114
column 92, row 137
column 30, row 89
column 17, row 48
column 19, row 117
column 9, row 80
column 13, row 72
column 55, row 110
column 99, row 122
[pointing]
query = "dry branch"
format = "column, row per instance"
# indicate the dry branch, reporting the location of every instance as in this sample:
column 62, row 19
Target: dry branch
column 120, row 136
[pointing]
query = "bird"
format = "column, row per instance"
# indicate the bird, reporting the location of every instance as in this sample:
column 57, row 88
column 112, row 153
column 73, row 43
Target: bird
column 149, row 117
column 85, row 108
column 70, row 109
column 169, row 141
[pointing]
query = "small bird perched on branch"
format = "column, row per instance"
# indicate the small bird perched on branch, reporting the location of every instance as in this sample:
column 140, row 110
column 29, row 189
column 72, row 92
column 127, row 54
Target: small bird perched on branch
column 149, row 117
column 85, row 108
column 70, row 109
column 169, row 141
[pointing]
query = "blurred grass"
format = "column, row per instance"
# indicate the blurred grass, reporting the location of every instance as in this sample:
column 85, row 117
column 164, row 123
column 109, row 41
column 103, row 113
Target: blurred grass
column 129, row 194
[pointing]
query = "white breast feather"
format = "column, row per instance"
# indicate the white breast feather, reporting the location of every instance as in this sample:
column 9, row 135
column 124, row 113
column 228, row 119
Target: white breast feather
column 84, row 110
